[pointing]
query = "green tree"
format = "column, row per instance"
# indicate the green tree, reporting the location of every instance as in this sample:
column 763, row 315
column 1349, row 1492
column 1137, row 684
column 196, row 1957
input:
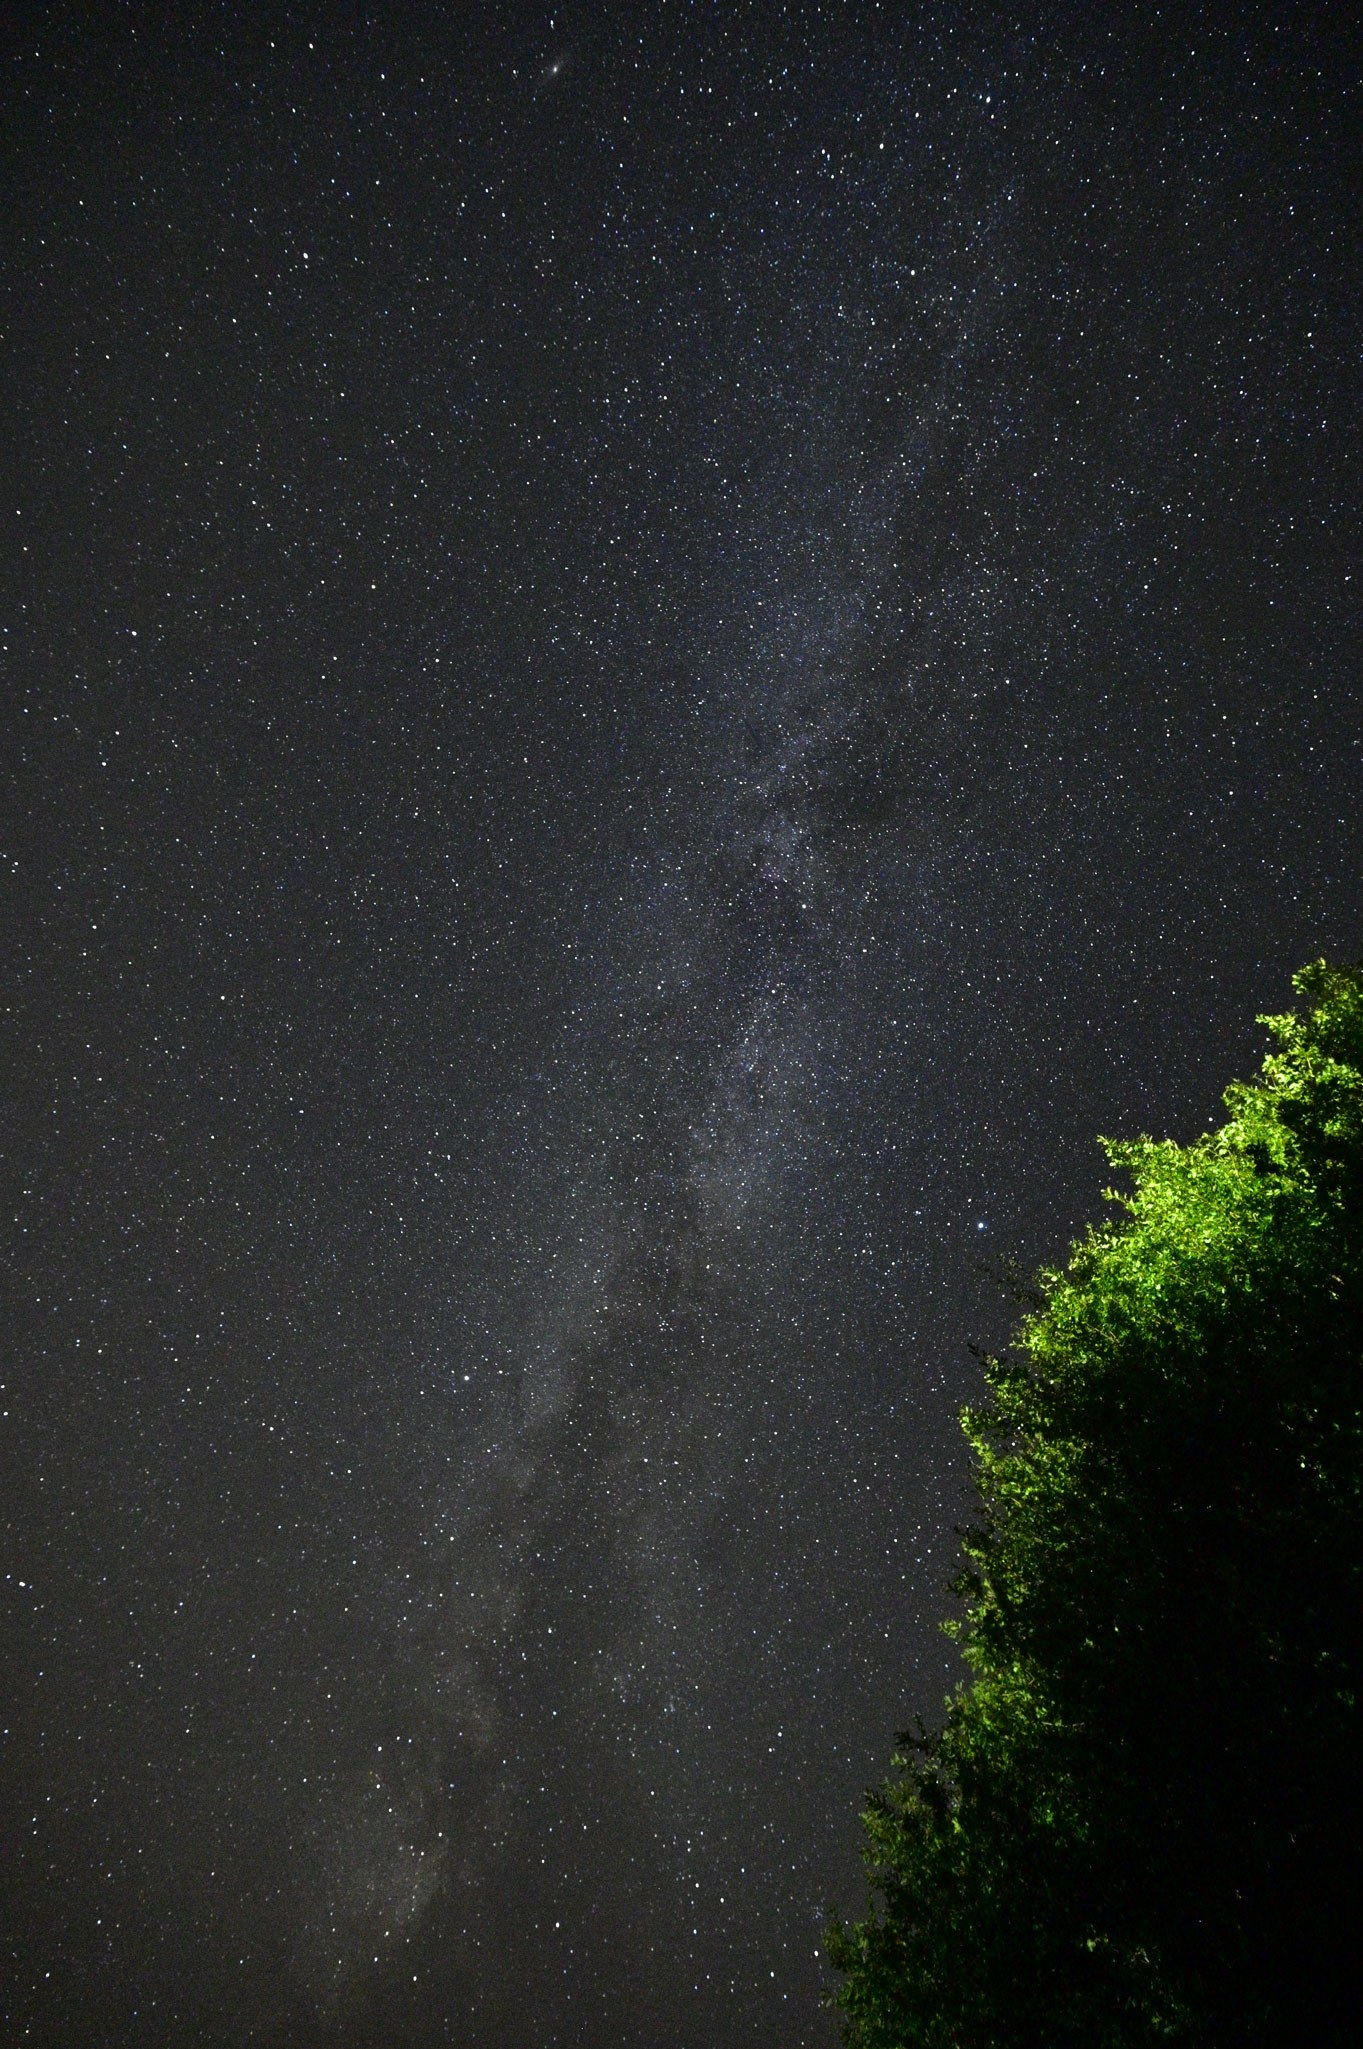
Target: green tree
column 1142, row 1818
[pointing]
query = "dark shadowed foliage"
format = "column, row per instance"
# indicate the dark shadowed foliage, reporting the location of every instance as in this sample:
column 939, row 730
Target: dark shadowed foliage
column 1139, row 1821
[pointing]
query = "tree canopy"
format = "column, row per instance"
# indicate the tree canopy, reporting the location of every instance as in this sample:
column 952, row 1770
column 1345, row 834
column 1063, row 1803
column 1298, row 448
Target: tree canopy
column 1140, row 1820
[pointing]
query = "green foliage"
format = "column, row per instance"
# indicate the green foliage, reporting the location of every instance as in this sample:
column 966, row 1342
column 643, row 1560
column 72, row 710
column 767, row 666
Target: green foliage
column 1140, row 1821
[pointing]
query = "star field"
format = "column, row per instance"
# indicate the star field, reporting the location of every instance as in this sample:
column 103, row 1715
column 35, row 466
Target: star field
column 653, row 657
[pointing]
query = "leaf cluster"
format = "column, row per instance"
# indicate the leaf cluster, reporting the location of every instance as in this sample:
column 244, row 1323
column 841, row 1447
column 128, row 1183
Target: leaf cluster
column 1137, row 1824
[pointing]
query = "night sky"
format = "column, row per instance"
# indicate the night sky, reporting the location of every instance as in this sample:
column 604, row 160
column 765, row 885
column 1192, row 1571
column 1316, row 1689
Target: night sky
column 653, row 657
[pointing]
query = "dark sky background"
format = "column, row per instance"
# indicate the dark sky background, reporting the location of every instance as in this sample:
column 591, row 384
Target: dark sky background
column 653, row 657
